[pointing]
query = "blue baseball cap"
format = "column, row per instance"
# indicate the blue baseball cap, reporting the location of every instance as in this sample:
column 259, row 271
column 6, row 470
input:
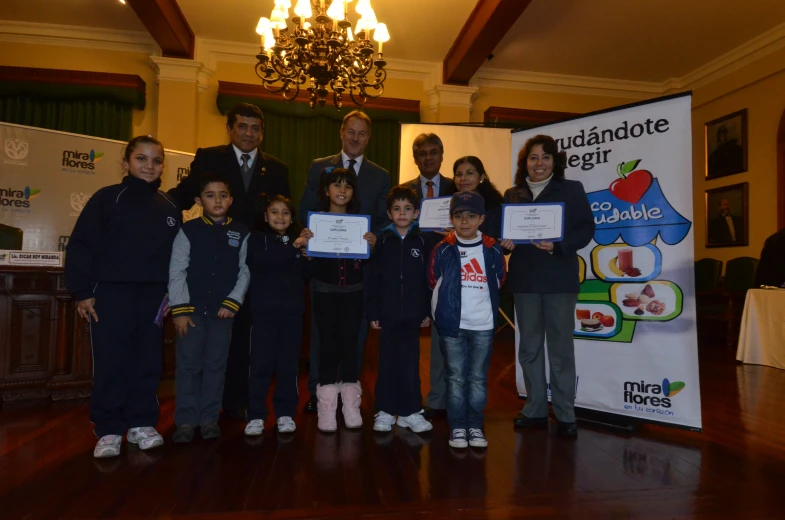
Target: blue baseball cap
column 467, row 201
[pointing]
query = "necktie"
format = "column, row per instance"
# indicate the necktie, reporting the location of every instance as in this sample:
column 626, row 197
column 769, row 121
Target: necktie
column 246, row 169
column 429, row 194
column 352, row 162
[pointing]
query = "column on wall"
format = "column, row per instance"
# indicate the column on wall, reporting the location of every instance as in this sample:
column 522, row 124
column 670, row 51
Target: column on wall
column 451, row 103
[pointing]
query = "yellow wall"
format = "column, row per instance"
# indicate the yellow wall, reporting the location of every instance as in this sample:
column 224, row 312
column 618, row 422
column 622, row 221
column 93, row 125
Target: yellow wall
column 760, row 88
column 92, row 60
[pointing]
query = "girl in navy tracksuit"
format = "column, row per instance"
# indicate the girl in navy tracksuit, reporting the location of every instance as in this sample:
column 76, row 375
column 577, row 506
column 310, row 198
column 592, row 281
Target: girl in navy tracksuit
column 279, row 269
column 117, row 269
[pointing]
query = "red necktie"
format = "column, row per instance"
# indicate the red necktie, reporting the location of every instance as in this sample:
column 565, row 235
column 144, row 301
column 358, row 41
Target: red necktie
column 429, row 193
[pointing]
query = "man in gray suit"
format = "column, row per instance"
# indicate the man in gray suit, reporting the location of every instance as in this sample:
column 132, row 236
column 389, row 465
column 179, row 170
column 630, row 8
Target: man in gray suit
column 428, row 156
column 373, row 184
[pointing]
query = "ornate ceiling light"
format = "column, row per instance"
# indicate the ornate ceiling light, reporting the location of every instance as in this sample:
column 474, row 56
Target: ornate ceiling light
column 322, row 53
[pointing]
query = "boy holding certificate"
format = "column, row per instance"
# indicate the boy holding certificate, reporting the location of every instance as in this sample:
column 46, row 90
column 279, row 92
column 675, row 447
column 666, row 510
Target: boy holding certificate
column 466, row 271
column 397, row 303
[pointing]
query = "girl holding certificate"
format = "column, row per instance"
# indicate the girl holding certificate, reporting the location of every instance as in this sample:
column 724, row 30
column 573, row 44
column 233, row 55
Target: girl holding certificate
column 543, row 277
column 338, row 306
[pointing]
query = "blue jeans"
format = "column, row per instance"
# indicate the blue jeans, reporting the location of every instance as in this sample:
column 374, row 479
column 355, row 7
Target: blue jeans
column 467, row 358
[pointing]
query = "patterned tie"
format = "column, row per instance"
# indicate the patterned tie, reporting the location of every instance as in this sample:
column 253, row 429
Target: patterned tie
column 352, row 162
column 246, row 168
column 429, row 194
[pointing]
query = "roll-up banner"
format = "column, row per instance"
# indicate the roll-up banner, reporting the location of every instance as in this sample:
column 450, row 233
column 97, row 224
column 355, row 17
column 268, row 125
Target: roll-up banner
column 637, row 277
column 46, row 177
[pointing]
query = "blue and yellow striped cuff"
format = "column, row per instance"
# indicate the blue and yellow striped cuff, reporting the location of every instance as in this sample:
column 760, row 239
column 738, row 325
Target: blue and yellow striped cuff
column 183, row 310
column 231, row 304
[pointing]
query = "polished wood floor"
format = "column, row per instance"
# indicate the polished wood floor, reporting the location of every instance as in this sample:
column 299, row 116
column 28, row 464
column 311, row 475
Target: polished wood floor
column 734, row 469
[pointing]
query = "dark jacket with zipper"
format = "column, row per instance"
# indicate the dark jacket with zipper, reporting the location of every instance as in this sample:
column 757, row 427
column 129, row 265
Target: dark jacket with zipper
column 533, row 270
column 444, row 277
column 397, row 292
column 278, row 275
column 123, row 235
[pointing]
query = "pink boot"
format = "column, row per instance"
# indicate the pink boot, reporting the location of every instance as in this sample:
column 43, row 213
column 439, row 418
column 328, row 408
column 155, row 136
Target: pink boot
column 326, row 407
column 350, row 395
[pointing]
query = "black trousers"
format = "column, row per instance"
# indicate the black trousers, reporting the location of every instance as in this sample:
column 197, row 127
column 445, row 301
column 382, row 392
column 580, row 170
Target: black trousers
column 338, row 318
column 235, row 395
column 275, row 349
column 127, row 357
column 398, row 383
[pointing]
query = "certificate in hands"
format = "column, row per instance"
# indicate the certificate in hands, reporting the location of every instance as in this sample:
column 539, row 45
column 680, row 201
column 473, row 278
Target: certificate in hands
column 338, row 235
column 527, row 223
column 435, row 214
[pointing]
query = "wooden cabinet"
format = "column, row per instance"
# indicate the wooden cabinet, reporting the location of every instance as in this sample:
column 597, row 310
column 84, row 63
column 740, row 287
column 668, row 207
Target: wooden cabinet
column 45, row 350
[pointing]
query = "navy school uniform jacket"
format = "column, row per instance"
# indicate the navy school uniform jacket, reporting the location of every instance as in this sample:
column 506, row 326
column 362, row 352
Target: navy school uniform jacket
column 444, row 277
column 278, row 275
column 208, row 269
column 123, row 235
column 397, row 293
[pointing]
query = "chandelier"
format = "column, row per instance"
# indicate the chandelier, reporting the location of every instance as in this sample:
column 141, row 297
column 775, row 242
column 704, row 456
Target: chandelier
column 323, row 52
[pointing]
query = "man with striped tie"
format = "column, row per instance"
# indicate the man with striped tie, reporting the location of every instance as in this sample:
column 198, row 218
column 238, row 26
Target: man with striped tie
column 428, row 153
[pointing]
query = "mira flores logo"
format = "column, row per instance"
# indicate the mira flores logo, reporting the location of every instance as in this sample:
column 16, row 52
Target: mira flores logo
column 11, row 198
column 651, row 397
column 80, row 162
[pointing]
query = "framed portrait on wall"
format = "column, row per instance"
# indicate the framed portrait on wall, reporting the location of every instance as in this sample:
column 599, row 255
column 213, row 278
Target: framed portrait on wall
column 727, row 222
column 726, row 145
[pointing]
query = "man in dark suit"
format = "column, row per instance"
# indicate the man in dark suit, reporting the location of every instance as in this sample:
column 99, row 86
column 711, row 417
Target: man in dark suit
column 373, row 184
column 771, row 268
column 249, row 172
column 726, row 228
column 428, row 152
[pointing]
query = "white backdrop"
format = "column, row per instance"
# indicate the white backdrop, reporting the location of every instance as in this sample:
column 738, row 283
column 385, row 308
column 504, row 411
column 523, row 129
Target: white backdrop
column 638, row 365
column 46, row 177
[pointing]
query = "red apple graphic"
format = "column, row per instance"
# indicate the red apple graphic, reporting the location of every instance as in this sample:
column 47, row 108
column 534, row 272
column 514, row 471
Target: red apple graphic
column 632, row 184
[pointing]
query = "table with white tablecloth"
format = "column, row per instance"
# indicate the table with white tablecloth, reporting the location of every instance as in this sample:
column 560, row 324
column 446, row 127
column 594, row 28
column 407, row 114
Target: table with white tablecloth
column 762, row 332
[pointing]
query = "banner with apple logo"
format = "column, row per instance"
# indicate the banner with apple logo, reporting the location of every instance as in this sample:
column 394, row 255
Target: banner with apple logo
column 635, row 316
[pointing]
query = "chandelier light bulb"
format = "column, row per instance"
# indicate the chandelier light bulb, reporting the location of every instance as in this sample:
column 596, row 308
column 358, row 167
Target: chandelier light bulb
column 268, row 39
column 349, row 34
column 303, row 9
column 278, row 17
column 262, row 26
column 363, row 6
column 335, row 11
column 285, row 4
column 380, row 34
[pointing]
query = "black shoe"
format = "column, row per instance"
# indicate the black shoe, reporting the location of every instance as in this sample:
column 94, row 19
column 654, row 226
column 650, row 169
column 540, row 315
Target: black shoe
column 184, row 433
column 529, row 422
column 432, row 413
column 568, row 429
column 310, row 406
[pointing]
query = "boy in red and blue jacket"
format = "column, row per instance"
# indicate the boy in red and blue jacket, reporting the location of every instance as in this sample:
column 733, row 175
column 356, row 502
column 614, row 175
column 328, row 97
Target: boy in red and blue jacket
column 467, row 269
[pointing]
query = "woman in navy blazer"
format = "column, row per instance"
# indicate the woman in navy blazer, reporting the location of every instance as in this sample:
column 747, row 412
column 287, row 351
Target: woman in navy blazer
column 544, row 280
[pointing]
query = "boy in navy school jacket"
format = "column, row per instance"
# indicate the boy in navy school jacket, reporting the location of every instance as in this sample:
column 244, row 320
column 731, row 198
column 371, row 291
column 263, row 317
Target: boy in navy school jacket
column 466, row 271
column 397, row 298
column 208, row 279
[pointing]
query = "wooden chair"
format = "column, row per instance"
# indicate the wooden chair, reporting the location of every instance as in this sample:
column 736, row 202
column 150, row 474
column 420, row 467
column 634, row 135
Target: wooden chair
column 711, row 303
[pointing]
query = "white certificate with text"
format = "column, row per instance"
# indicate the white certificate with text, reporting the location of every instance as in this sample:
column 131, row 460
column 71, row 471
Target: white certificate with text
column 338, row 235
column 435, row 214
column 526, row 223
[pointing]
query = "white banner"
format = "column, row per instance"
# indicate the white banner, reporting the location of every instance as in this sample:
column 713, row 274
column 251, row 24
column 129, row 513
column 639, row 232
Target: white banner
column 636, row 342
column 46, row 177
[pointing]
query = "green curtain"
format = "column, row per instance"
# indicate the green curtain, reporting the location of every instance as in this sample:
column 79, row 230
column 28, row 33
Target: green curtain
column 297, row 135
column 99, row 118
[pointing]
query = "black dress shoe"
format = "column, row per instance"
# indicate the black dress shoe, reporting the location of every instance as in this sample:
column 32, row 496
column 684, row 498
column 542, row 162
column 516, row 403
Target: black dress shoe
column 529, row 422
column 568, row 429
column 432, row 413
column 310, row 406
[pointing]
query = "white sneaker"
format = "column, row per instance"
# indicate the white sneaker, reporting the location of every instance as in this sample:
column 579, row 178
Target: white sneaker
column 255, row 427
column 108, row 446
column 286, row 424
column 383, row 422
column 416, row 422
column 145, row 437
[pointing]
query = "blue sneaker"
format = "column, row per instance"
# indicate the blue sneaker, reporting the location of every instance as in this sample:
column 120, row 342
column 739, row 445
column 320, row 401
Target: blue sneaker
column 477, row 438
column 458, row 438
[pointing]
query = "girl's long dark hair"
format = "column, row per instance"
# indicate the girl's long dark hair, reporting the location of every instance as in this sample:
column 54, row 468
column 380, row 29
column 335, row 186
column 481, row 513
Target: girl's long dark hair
column 493, row 198
column 260, row 209
column 331, row 175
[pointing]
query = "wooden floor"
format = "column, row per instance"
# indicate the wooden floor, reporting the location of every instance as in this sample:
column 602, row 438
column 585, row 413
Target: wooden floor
column 734, row 469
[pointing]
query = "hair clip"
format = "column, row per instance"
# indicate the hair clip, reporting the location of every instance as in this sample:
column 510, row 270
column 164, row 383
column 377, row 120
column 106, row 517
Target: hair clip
column 328, row 170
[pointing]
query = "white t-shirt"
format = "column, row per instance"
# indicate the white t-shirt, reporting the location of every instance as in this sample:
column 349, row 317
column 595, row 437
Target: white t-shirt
column 476, row 308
